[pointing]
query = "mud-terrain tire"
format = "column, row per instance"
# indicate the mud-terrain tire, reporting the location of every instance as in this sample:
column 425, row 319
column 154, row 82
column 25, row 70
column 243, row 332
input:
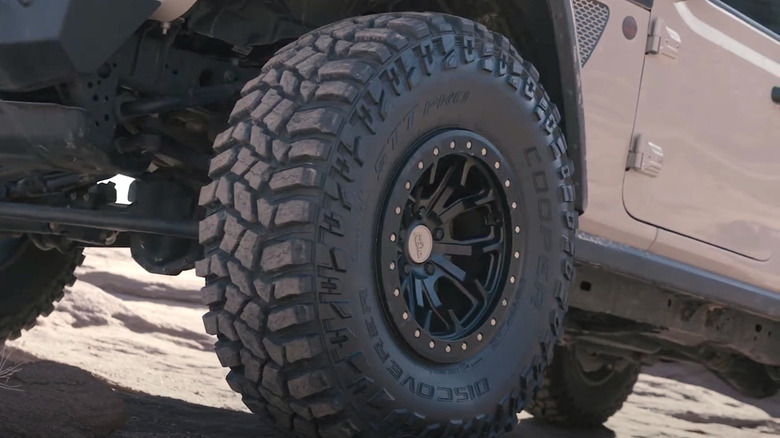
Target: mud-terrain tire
column 574, row 398
column 300, row 213
column 31, row 281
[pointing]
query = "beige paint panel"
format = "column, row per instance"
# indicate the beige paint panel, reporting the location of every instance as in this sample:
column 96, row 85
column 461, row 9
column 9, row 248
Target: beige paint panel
column 610, row 84
column 710, row 110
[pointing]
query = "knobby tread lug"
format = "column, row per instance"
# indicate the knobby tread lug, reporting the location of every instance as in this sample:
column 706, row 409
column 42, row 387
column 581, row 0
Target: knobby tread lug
column 269, row 176
column 40, row 301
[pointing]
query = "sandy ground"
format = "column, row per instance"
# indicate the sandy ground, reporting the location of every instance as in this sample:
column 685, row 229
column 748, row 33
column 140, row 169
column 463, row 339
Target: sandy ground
column 143, row 334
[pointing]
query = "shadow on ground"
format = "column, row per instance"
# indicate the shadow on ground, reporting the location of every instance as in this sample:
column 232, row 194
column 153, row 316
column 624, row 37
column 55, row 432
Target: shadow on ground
column 162, row 417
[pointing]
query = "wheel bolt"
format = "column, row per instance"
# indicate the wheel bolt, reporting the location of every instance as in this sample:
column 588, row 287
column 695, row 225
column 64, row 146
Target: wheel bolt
column 507, row 183
column 436, row 151
column 396, row 292
column 504, row 302
column 514, row 205
column 416, row 333
column 479, row 336
column 407, row 185
column 512, row 279
column 420, row 165
column 493, row 322
column 392, row 237
column 429, row 269
column 452, row 145
column 484, row 152
column 398, row 210
column 431, row 344
column 517, row 229
column 464, row 346
column 438, row 234
column 405, row 316
column 392, row 266
column 517, row 254
column 468, row 145
column 448, row 349
column 497, row 165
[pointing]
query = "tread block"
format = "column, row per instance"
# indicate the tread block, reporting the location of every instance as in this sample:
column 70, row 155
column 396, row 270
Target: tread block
column 284, row 317
column 253, row 315
column 303, row 347
column 315, row 121
column 309, row 383
column 250, row 339
column 248, row 251
column 309, row 149
column 349, row 69
column 228, row 353
column 337, row 91
column 293, row 287
column 285, row 254
column 296, row 177
column 222, row 162
column 294, row 212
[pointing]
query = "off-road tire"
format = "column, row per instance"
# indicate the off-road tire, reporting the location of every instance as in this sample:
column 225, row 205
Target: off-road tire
column 31, row 281
column 296, row 192
column 566, row 399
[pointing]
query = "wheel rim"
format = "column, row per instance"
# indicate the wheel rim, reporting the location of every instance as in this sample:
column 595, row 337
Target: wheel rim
column 590, row 368
column 449, row 249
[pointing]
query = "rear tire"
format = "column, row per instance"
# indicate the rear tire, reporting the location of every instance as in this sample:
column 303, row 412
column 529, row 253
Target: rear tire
column 310, row 214
column 31, row 280
column 573, row 397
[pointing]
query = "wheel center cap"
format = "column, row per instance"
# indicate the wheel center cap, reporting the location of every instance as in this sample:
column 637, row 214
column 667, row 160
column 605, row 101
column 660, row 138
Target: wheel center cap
column 420, row 244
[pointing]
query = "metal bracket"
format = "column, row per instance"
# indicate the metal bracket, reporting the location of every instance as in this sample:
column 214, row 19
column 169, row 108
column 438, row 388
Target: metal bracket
column 663, row 40
column 645, row 157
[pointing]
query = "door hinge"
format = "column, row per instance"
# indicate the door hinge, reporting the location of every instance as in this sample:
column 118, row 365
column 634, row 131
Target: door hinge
column 662, row 40
column 645, row 157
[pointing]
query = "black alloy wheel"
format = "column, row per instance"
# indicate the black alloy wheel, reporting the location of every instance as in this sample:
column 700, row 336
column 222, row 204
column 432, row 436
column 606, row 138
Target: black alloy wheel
column 450, row 246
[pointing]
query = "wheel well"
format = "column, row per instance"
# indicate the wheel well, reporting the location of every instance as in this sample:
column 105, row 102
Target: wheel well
column 542, row 30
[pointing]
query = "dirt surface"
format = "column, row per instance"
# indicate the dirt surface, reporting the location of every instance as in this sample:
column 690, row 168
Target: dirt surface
column 142, row 335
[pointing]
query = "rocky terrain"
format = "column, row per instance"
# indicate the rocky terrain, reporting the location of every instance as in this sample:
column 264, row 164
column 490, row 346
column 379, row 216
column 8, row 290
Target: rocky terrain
column 125, row 356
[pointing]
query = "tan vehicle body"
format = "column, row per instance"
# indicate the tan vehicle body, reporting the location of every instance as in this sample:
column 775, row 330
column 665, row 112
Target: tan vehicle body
column 715, row 203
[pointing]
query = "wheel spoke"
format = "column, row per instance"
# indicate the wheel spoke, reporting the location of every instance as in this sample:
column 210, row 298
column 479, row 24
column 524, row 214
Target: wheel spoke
column 443, row 191
column 449, row 268
column 471, row 247
column 468, row 203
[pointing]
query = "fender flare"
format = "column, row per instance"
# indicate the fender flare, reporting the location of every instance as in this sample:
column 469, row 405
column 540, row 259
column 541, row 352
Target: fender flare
column 562, row 18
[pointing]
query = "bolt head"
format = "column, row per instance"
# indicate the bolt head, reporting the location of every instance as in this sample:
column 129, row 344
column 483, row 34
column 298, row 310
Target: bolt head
column 416, row 333
column 405, row 316
column 396, row 292
column 464, row 346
